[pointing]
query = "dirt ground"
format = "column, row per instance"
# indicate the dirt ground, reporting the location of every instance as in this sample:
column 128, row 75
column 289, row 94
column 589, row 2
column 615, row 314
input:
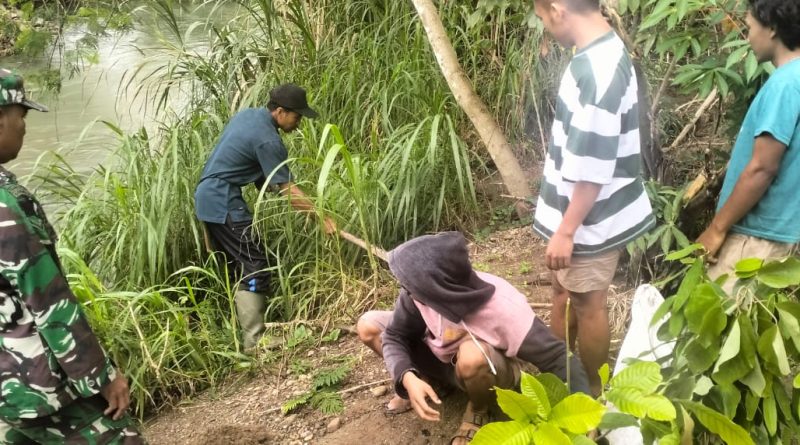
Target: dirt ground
column 247, row 409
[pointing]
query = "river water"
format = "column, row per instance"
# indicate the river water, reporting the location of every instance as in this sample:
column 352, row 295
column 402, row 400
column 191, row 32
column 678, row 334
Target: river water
column 73, row 124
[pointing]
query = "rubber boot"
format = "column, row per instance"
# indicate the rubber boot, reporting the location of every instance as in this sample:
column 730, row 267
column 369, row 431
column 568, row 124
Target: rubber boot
column 250, row 308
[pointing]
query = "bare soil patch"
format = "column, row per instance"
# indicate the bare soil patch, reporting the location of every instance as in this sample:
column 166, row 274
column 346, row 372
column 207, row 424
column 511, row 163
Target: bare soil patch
column 246, row 409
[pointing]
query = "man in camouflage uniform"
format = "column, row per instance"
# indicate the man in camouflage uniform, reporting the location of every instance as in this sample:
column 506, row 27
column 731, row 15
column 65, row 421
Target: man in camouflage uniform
column 57, row 385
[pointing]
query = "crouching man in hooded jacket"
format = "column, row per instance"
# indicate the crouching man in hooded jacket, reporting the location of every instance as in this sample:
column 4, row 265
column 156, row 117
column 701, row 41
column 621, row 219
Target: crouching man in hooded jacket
column 461, row 328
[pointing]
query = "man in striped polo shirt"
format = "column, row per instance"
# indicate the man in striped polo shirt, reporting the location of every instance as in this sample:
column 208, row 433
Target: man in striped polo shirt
column 592, row 201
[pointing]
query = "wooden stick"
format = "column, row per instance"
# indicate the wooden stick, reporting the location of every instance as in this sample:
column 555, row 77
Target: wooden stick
column 375, row 250
column 710, row 100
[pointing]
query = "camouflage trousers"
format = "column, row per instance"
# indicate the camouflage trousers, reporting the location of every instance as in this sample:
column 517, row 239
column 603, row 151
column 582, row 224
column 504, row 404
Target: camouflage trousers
column 80, row 423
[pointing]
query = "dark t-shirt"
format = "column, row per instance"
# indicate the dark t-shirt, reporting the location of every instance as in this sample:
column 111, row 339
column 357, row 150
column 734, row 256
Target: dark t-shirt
column 250, row 150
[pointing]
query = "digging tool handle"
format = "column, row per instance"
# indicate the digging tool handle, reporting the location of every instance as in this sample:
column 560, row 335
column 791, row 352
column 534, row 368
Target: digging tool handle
column 377, row 251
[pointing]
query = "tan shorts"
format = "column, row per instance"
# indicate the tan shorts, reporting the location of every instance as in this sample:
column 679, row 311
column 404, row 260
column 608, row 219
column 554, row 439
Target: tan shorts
column 508, row 369
column 589, row 273
column 738, row 247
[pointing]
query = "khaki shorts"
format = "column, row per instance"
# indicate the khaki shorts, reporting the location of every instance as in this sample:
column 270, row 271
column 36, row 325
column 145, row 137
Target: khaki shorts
column 738, row 247
column 508, row 369
column 589, row 273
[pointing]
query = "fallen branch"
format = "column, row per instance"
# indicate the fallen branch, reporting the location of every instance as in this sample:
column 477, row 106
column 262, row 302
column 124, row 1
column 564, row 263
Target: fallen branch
column 709, row 102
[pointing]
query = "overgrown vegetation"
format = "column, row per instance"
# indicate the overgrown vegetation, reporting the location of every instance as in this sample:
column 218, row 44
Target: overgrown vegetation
column 391, row 158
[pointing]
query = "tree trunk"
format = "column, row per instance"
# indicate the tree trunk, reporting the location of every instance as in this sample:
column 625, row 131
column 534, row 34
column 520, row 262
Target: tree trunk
column 488, row 129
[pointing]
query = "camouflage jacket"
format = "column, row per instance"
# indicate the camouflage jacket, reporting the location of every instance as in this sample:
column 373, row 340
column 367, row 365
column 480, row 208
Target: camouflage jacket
column 49, row 355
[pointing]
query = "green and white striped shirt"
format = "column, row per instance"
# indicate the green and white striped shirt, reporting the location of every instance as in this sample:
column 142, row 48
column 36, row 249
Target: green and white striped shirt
column 595, row 139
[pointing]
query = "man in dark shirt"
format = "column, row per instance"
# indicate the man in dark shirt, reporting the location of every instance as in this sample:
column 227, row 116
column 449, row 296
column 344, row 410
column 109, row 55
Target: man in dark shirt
column 250, row 151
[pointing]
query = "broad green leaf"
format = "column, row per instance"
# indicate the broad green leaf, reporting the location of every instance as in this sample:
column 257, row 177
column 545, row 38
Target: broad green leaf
column 531, row 388
column 704, row 314
column 727, row 397
column 780, row 274
column 548, row 434
column 736, row 56
column 698, row 357
column 662, row 310
column 578, row 413
column 517, row 406
column 645, row 376
column 580, row 439
column 504, row 433
column 789, row 322
column 772, row 350
column 751, row 403
column 796, row 381
column 670, row 439
column 704, row 385
column 748, row 267
column 755, row 380
column 770, row 413
column 750, row 66
column 733, row 363
column 633, row 401
column 730, row 348
column 555, row 387
column 690, row 281
column 604, row 373
column 718, row 424
column 614, row 420
column 683, row 253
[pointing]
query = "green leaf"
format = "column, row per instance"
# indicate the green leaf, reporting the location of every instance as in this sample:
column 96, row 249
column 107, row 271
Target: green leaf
column 733, row 363
column 683, row 253
column 704, row 384
column 577, row 413
column 736, row 56
column 770, row 412
column 530, row 387
column 796, row 381
column 772, row 350
column 604, row 373
column 504, row 433
column 673, row 438
column 689, row 283
column 548, row 434
column 517, row 406
column 789, row 322
column 614, row 420
column 718, row 424
column 555, row 387
column 632, row 401
column 755, row 380
column 780, row 274
column 698, row 357
column 750, row 66
column 645, row 376
column 579, row 439
column 748, row 267
column 704, row 314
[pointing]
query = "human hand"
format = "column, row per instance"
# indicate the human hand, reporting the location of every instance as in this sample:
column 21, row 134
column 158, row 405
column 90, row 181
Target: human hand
column 418, row 392
column 117, row 394
column 559, row 251
column 712, row 240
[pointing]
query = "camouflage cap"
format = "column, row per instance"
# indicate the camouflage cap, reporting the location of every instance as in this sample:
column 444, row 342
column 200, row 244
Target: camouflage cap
column 12, row 91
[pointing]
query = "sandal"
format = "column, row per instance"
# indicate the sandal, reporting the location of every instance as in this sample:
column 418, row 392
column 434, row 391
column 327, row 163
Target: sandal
column 470, row 424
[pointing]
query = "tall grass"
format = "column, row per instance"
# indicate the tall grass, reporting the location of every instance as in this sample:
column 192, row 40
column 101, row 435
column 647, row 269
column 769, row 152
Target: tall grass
column 388, row 160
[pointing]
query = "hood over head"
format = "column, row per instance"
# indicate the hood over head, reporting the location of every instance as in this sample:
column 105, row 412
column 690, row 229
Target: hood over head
column 435, row 270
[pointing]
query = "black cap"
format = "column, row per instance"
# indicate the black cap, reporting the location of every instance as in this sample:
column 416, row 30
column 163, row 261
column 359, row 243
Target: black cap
column 292, row 97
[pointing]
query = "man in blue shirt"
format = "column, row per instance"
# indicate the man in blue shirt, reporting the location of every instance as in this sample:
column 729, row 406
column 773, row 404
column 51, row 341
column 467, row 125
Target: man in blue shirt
column 759, row 209
column 250, row 151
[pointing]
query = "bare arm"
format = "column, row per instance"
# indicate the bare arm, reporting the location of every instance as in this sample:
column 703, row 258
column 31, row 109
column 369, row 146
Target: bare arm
column 751, row 186
column 559, row 249
column 299, row 201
